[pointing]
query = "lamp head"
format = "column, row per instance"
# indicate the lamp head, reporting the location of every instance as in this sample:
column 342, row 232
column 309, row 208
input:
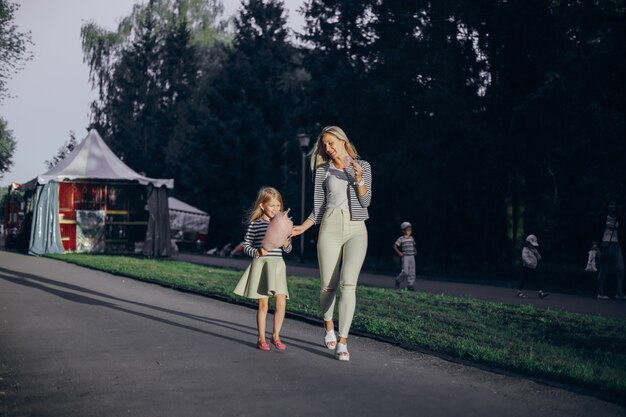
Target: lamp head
column 304, row 140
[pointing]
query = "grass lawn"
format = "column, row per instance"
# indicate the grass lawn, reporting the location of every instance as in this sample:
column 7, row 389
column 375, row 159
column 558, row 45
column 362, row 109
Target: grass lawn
column 576, row 349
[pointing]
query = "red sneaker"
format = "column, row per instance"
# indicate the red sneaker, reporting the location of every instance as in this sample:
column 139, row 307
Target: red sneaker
column 263, row 345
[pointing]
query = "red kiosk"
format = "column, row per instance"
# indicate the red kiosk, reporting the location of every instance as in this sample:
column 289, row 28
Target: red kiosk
column 92, row 202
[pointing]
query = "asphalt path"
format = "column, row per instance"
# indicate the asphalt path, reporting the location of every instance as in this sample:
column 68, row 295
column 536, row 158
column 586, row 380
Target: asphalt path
column 556, row 301
column 78, row 342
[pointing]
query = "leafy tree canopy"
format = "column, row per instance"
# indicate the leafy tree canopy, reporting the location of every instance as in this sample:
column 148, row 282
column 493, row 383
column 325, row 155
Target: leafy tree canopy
column 7, row 147
column 13, row 45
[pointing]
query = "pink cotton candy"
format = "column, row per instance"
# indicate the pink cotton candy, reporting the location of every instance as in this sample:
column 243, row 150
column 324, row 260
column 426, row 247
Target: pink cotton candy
column 278, row 231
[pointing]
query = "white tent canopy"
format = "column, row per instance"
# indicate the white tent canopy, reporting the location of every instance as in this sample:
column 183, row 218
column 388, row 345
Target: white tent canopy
column 177, row 205
column 93, row 159
column 186, row 218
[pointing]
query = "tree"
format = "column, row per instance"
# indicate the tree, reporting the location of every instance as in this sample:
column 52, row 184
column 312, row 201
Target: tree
column 13, row 45
column 132, row 105
column 483, row 122
column 7, row 147
column 143, row 72
column 103, row 49
column 242, row 123
column 481, row 112
column 63, row 151
column 403, row 79
column 555, row 103
column 255, row 95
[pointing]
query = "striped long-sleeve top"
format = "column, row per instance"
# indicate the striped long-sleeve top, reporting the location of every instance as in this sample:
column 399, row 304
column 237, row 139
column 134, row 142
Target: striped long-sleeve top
column 406, row 245
column 358, row 204
column 254, row 239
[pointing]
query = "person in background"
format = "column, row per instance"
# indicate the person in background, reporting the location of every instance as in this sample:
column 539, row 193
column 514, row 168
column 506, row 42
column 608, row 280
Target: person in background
column 611, row 230
column 405, row 248
column 530, row 261
column 592, row 258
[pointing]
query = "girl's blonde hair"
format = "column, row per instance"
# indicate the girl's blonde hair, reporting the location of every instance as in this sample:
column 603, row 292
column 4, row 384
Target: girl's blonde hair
column 319, row 156
column 265, row 194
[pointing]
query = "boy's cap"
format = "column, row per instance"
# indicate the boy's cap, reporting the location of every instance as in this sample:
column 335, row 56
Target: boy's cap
column 404, row 225
column 532, row 239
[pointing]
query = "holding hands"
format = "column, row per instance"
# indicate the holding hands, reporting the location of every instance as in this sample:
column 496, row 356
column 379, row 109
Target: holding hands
column 298, row 230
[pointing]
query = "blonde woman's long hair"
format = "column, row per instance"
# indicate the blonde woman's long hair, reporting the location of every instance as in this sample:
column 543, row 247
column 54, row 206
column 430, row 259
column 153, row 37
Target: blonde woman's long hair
column 319, row 156
column 265, row 194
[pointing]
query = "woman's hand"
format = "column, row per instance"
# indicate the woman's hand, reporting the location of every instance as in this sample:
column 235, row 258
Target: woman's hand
column 298, row 230
column 358, row 171
column 287, row 243
column 262, row 252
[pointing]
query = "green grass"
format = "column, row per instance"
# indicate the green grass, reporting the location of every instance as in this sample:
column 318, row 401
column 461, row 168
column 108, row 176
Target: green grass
column 576, row 349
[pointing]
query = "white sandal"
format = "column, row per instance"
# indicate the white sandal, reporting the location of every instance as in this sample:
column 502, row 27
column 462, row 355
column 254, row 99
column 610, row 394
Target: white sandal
column 341, row 353
column 330, row 338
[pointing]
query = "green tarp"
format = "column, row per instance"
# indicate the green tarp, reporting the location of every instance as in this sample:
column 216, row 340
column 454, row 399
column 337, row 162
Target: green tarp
column 45, row 235
column 158, row 242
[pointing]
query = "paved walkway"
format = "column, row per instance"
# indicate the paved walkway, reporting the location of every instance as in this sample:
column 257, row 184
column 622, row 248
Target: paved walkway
column 567, row 302
column 78, row 342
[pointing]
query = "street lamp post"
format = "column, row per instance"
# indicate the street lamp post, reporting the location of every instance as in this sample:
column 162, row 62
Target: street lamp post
column 303, row 140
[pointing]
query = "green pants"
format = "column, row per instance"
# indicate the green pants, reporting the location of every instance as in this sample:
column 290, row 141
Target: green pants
column 341, row 248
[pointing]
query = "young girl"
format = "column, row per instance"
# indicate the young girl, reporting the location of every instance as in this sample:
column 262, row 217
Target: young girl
column 266, row 276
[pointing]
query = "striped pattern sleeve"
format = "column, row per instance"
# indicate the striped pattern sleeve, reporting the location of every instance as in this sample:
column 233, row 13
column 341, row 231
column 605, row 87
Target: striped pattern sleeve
column 254, row 240
column 358, row 203
column 319, row 195
column 365, row 199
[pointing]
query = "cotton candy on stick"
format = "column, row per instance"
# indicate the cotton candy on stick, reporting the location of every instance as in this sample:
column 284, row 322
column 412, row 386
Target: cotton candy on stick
column 278, row 231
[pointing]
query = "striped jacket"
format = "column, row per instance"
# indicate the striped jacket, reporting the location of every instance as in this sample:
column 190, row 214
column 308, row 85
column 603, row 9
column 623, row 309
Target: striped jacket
column 358, row 204
column 254, row 239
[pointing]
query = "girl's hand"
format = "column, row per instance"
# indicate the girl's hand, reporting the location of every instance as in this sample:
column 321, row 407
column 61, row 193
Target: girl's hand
column 287, row 243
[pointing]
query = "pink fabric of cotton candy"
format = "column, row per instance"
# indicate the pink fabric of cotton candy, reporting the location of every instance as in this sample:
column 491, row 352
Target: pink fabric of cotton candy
column 278, row 231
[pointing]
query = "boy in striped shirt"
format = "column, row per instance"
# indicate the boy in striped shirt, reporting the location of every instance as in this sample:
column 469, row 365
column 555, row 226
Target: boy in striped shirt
column 405, row 248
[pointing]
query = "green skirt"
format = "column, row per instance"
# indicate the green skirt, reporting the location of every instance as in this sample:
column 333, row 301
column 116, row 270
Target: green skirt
column 264, row 277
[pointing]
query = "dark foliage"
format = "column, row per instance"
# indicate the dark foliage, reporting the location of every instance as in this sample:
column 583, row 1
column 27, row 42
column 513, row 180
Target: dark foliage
column 483, row 121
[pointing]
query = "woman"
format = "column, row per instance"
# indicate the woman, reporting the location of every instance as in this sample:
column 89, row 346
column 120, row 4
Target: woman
column 343, row 190
column 611, row 235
